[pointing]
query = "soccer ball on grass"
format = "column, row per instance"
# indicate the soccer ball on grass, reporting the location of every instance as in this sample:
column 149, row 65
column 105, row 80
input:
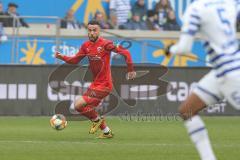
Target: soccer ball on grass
column 58, row 122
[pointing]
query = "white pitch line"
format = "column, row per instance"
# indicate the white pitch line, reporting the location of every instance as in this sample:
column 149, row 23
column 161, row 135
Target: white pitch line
column 119, row 144
column 93, row 143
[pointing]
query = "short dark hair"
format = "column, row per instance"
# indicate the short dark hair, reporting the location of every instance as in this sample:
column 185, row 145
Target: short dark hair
column 12, row 5
column 93, row 22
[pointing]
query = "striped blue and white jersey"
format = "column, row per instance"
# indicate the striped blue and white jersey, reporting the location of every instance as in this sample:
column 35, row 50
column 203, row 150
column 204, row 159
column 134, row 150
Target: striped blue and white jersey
column 215, row 20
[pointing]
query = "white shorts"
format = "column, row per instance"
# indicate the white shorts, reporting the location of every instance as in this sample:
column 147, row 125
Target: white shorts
column 212, row 90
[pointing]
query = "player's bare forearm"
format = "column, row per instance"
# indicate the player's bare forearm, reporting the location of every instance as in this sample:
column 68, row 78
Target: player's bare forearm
column 67, row 59
column 131, row 73
column 124, row 52
column 127, row 57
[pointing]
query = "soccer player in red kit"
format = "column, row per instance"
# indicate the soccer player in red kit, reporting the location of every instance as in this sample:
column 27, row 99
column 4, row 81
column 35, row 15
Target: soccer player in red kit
column 98, row 51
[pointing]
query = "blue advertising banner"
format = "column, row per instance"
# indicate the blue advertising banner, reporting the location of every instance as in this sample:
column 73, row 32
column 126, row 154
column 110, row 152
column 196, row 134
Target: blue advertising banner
column 41, row 50
column 156, row 55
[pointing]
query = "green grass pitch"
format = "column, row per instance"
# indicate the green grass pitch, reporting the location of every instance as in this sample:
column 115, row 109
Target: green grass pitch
column 32, row 138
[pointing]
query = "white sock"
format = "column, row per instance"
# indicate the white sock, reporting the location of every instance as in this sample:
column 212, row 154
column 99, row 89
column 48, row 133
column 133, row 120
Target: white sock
column 106, row 129
column 199, row 136
column 72, row 109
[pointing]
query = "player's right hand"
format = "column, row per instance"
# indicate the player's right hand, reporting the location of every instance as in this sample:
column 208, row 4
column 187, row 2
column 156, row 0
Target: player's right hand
column 58, row 55
column 131, row 75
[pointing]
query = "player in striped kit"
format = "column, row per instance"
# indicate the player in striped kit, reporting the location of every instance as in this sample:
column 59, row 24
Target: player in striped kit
column 215, row 20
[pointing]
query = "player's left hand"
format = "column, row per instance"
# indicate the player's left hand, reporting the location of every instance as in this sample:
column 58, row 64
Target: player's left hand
column 131, row 75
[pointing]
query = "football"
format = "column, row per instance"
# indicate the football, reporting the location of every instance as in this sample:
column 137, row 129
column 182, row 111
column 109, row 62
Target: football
column 58, row 122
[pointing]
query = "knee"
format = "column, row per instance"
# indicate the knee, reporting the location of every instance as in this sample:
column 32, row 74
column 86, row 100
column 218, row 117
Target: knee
column 184, row 112
column 79, row 103
column 72, row 109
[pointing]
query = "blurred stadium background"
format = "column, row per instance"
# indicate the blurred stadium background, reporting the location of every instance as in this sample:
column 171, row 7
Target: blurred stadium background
column 152, row 129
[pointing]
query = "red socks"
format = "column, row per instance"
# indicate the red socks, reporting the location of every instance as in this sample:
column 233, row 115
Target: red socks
column 103, row 125
column 91, row 114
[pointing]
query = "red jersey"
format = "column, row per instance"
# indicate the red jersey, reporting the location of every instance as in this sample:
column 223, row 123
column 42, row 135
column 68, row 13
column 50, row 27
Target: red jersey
column 99, row 54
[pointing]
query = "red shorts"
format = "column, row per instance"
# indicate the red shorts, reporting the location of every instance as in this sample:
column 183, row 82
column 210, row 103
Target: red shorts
column 94, row 95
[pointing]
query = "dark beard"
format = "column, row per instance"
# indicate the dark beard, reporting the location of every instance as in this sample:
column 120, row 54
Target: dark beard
column 93, row 40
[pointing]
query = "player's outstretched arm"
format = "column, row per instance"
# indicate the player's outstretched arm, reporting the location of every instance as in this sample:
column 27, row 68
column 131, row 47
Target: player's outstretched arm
column 71, row 59
column 191, row 25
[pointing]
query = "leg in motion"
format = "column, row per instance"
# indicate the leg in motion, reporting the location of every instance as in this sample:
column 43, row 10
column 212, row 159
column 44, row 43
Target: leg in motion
column 86, row 104
column 196, row 127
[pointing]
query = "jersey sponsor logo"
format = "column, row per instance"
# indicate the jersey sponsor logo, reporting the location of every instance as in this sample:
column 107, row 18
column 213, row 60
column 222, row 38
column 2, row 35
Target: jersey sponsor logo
column 99, row 49
column 94, row 58
column 18, row 91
